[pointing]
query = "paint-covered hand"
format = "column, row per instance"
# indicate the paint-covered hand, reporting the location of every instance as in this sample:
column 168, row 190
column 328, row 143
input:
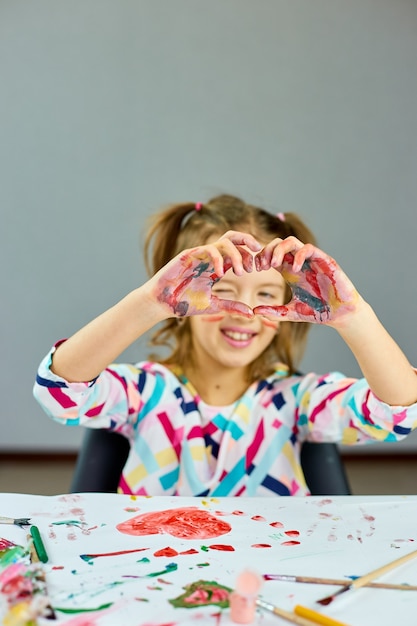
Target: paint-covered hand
column 321, row 291
column 185, row 283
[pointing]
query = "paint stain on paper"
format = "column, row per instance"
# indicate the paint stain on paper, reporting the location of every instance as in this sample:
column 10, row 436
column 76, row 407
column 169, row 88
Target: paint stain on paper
column 292, row 533
column 222, row 547
column 324, row 502
column 184, row 523
column 171, row 567
column 90, row 557
column 166, row 552
column 203, row 593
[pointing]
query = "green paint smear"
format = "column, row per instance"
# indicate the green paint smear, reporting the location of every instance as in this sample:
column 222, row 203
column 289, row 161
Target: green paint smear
column 68, row 522
column 204, row 548
column 208, row 587
column 171, row 567
column 144, row 560
column 102, row 607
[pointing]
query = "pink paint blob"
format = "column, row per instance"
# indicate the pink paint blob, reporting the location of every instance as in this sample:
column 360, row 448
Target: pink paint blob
column 261, row 545
column 258, row 518
column 222, row 547
column 290, row 543
column 184, row 523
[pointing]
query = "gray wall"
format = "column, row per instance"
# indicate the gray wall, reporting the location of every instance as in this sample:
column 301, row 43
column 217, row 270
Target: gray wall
column 109, row 109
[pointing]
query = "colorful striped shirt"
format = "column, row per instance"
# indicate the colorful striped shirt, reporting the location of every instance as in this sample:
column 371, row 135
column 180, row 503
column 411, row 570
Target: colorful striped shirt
column 179, row 445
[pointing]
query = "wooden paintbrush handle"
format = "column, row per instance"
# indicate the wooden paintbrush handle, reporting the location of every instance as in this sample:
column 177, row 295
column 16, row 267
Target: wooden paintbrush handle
column 287, row 615
column 380, row 571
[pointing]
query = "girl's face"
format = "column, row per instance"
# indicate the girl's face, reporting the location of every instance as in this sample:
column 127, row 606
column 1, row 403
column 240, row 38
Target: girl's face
column 229, row 340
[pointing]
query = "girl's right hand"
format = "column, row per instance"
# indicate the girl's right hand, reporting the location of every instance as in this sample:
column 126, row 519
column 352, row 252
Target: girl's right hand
column 184, row 284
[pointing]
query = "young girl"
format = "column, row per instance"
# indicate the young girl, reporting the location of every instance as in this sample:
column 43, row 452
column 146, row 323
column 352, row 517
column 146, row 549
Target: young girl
column 233, row 292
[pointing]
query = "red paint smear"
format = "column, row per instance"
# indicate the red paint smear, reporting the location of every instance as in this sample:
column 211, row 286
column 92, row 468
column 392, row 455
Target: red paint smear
column 93, row 556
column 211, row 318
column 261, row 545
column 292, row 533
column 192, row 551
column 277, row 525
column 166, row 552
column 58, row 567
column 238, row 513
column 269, row 323
column 222, row 547
column 290, row 543
column 184, row 523
column 258, row 518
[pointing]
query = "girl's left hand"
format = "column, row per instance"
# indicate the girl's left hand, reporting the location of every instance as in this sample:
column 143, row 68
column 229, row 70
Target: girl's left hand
column 321, row 291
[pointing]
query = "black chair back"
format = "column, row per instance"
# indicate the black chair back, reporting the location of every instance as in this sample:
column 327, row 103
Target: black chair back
column 103, row 455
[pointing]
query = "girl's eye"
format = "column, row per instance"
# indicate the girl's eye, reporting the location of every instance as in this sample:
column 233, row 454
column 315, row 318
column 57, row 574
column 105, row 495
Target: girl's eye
column 267, row 295
column 223, row 292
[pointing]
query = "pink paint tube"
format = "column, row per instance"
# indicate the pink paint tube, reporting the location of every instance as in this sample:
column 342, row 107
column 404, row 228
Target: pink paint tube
column 243, row 599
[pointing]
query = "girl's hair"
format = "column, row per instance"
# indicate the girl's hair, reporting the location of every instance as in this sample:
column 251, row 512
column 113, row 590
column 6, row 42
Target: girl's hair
column 187, row 225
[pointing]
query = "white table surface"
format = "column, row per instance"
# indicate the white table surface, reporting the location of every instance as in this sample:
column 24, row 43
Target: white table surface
column 333, row 537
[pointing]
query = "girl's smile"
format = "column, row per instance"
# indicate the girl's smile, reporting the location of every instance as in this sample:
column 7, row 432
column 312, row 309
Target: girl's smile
column 237, row 337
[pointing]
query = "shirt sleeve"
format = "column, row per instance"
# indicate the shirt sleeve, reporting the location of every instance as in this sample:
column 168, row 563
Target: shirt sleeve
column 111, row 401
column 345, row 410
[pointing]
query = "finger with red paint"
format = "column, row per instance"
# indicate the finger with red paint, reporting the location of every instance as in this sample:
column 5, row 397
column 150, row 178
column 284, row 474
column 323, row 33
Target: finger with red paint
column 321, row 291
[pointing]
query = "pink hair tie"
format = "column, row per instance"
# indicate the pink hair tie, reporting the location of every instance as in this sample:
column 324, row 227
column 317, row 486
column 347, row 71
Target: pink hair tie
column 198, row 206
column 281, row 217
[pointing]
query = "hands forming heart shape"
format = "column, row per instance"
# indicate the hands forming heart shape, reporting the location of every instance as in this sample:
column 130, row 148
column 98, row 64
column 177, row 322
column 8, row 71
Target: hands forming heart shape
column 321, row 292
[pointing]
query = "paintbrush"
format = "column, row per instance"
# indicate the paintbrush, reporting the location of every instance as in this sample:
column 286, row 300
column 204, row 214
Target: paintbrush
column 20, row 521
column 364, row 580
column 302, row 616
column 289, row 578
column 244, row 600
